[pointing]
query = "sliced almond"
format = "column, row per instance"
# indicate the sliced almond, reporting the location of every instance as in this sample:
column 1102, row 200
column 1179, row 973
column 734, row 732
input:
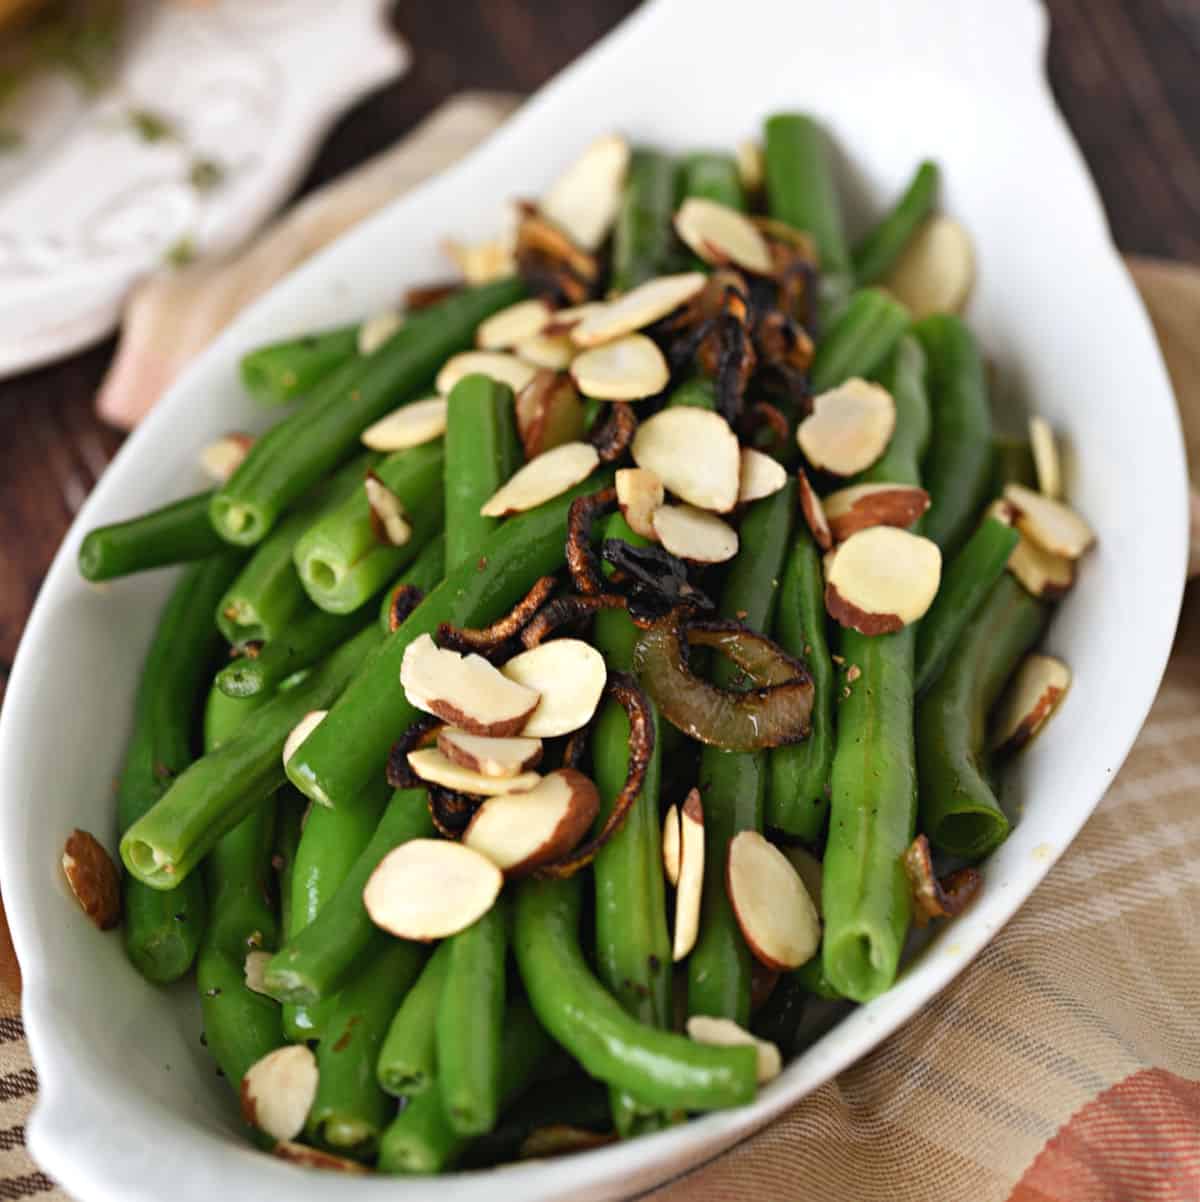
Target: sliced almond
column 1001, row 511
column 583, row 201
column 770, row 902
column 464, row 690
column 431, row 888
column 1040, row 572
column 719, row 234
column 563, row 321
column 543, row 478
column 861, row 506
column 93, row 878
column 254, row 971
column 278, row 1091
column 1055, row 527
column 1029, row 701
column 751, row 165
column 409, row 426
column 377, row 329
column 499, row 365
column 694, row 453
column 936, row 270
column 316, row 1158
column 553, row 351
column 690, row 889
column 638, row 308
column 639, row 494
column 810, row 870
column 694, row 534
column 222, row 458
column 301, row 731
column 500, row 758
column 436, row 768
column 569, row 676
column 518, row 832
column 849, row 428
column 724, row 1033
column 670, row 844
column 388, row 518
column 814, row 512
column 627, row 369
column 482, row 262
column 761, row 476
column 510, row 326
column 882, row 579
column 549, row 413
column 1045, row 458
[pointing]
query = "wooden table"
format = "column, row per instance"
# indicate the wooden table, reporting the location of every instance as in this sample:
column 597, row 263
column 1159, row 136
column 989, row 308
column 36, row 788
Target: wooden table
column 1126, row 73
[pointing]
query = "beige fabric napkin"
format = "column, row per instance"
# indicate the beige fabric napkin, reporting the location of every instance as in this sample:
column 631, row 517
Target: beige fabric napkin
column 1063, row 1065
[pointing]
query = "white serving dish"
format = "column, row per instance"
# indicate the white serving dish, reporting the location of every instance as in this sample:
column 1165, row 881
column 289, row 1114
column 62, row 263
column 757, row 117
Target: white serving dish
column 130, row 1109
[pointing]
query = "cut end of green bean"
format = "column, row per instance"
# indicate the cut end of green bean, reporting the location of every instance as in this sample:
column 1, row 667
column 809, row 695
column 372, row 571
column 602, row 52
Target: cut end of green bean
column 237, row 523
column 242, row 678
column 971, row 833
column 148, row 863
column 286, row 985
column 858, row 965
column 91, row 558
column 347, row 1136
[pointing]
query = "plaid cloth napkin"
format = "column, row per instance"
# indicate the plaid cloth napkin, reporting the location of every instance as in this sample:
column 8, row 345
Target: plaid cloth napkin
column 1064, row 1064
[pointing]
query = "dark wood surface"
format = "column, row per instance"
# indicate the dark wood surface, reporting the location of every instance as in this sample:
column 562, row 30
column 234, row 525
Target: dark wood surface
column 1126, row 73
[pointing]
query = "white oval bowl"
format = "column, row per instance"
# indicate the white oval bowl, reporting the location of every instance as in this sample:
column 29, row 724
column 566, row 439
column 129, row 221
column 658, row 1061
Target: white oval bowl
column 130, row 1108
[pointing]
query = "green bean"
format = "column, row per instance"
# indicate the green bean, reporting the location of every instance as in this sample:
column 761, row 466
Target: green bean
column 699, row 392
column 482, row 451
column 162, row 933
column 341, row 561
column 959, row 809
column 811, row 977
column 282, row 371
column 662, row 1068
column 408, row 1059
column 879, row 250
column 965, row 585
column 352, row 743
column 289, row 825
column 177, row 533
column 425, row 573
column 958, row 465
column 733, row 784
column 1012, row 463
column 860, row 340
column 643, row 239
column 304, row 448
column 216, row 792
column 318, row 960
column 712, row 176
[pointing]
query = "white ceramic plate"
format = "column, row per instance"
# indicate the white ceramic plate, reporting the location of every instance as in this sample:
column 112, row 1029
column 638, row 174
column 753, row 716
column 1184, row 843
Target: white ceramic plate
column 131, row 1109
column 87, row 205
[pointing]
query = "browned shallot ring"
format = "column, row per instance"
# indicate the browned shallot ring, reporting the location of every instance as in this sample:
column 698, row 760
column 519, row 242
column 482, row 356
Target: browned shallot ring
column 451, row 812
column 404, row 598
column 495, row 637
column 562, row 611
column 426, row 295
column 582, row 560
column 933, row 898
column 764, row 415
column 613, row 436
column 421, row 733
column 623, row 689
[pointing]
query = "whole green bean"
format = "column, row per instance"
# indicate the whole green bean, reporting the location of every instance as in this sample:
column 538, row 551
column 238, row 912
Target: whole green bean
column 177, row 533
column 304, row 448
column 425, row 573
column 860, row 340
column 219, row 789
column 879, row 250
column 959, row 809
column 282, row 371
column 408, row 1059
column 643, row 238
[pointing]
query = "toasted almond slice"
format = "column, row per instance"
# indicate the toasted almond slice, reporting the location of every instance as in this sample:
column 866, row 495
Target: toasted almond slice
column 882, row 579
column 549, row 413
column 254, row 971
column 388, row 518
column 430, row 888
column 750, row 164
column 694, row 534
column 694, row 453
column 93, row 878
column 724, row 1033
column 553, row 351
column 436, row 768
column 770, row 902
column 519, row 831
column 561, row 1139
column 510, row 326
column 814, row 512
column 638, row 308
column 499, row 365
column 583, row 201
column 1045, row 458
column 639, row 494
column 482, row 262
column 1055, row 527
column 810, row 871
column 315, row 1158
column 301, row 731
column 499, row 758
column 278, row 1091
column 1040, row 572
column 222, row 458
column 569, row 675
column 377, row 329
column 849, row 428
column 690, row 888
column 409, row 426
column 563, row 321
column 671, row 838
column 761, row 476
column 936, row 270
column 627, row 369
column 1001, row 511
column 464, row 690
column 547, row 476
column 1030, row 701
column 864, row 505
column 719, row 234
